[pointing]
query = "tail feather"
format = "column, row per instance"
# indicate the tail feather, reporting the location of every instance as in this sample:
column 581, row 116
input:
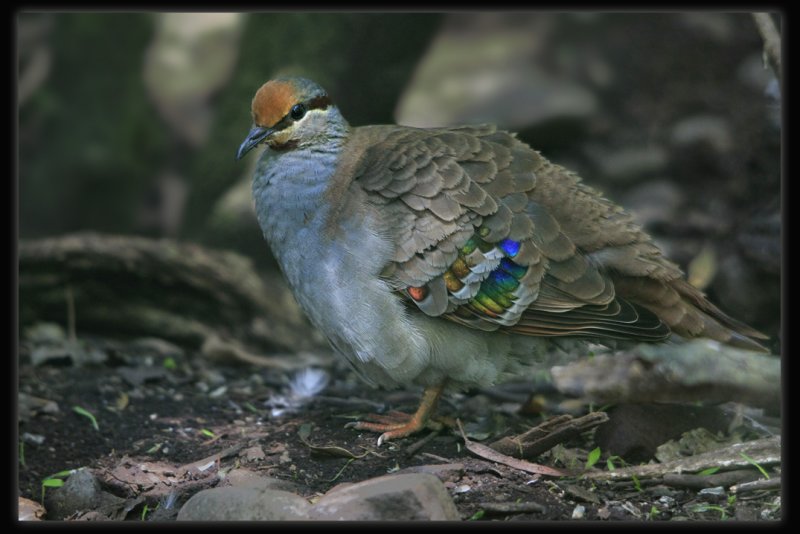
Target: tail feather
column 687, row 312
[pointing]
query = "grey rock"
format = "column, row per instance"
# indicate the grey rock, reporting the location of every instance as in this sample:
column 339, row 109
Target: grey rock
column 192, row 55
column 654, row 202
column 635, row 431
column 754, row 72
column 80, row 493
column 709, row 129
column 629, row 163
column 136, row 376
column 244, row 504
column 581, row 493
column 717, row 26
column 29, row 406
column 484, row 68
column 157, row 346
column 417, row 496
column 667, row 501
column 48, row 333
column 717, row 491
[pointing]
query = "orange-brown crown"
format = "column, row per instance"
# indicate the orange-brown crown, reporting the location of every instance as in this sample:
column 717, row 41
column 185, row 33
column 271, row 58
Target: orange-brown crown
column 273, row 101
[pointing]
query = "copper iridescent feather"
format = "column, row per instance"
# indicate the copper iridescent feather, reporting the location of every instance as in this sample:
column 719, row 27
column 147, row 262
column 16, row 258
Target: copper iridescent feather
column 491, row 235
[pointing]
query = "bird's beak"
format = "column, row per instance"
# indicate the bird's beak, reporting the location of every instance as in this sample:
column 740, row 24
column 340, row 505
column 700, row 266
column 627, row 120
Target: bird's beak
column 256, row 136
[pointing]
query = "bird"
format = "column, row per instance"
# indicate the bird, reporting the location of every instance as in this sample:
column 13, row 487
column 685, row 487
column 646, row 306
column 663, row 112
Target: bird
column 454, row 257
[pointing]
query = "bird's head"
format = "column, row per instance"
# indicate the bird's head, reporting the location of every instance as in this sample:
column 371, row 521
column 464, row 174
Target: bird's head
column 290, row 113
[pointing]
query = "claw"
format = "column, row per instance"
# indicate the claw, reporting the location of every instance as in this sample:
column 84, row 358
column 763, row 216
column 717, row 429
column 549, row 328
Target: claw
column 395, row 425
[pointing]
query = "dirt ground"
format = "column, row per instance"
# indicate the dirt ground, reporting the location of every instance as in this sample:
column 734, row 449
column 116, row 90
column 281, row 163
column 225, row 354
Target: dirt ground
column 159, row 411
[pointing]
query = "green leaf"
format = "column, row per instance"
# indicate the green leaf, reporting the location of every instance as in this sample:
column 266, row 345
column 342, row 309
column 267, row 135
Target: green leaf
column 87, row 414
column 170, row 363
column 754, row 463
column 593, row 457
column 305, row 431
column 709, row 471
column 61, row 474
column 477, row 515
column 207, row 432
column 52, row 483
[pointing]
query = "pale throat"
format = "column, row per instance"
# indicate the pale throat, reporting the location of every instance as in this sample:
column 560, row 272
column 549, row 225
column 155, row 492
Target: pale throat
column 290, row 202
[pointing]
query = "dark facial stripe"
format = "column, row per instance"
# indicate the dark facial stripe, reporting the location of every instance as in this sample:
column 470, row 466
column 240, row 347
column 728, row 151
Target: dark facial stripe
column 320, row 102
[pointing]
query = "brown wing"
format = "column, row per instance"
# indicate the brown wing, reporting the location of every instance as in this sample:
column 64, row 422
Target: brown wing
column 489, row 234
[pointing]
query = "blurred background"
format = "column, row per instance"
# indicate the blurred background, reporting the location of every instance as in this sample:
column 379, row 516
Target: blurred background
column 129, row 122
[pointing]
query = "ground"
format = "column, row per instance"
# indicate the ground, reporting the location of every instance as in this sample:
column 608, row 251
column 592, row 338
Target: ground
column 158, row 411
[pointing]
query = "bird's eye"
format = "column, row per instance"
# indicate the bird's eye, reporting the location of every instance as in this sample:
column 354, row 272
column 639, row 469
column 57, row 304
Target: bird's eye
column 298, row 112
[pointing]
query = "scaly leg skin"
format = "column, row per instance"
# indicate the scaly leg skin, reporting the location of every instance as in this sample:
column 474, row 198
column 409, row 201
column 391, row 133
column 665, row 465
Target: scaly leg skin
column 395, row 425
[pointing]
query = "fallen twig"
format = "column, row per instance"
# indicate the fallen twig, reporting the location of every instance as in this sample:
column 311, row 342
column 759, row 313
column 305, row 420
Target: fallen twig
column 725, row 479
column 490, row 454
column 334, row 450
column 547, row 435
column 414, row 447
column 437, row 458
column 755, row 485
column 764, row 451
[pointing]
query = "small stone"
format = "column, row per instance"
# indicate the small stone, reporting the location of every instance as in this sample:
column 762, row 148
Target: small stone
column 581, row 493
column 213, row 377
column 667, row 501
column 32, row 439
column 417, row 496
column 654, row 202
column 158, row 346
column 579, row 512
column 30, row 406
column 220, row 391
column 244, row 504
column 30, row 510
column 661, row 490
column 629, row 163
column 717, row 491
column 254, row 453
column 717, row 26
column 709, row 129
column 45, row 333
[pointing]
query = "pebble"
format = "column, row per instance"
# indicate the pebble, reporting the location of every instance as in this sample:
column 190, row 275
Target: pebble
column 709, row 129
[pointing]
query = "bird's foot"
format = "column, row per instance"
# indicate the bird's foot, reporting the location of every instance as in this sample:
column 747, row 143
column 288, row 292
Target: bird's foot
column 394, row 425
